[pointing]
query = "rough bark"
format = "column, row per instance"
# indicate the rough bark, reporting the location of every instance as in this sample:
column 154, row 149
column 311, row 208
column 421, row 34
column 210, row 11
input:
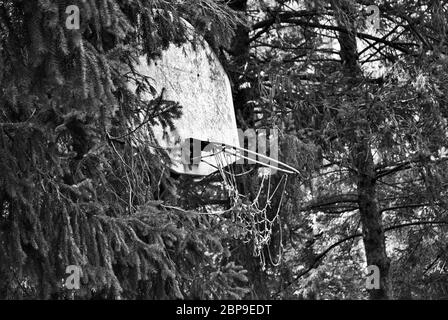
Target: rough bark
column 370, row 213
column 240, row 56
column 371, row 217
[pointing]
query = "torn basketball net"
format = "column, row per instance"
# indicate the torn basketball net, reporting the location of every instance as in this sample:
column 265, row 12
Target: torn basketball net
column 251, row 214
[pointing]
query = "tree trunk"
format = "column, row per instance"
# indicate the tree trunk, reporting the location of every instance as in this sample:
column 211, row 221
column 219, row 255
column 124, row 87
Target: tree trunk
column 240, row 57
column 371, row 218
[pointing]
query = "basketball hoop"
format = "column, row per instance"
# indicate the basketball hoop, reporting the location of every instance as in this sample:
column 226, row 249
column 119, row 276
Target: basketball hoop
column 251, row 215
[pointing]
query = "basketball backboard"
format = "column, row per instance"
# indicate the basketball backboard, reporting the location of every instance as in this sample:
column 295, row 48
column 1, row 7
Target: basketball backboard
column 192, row 75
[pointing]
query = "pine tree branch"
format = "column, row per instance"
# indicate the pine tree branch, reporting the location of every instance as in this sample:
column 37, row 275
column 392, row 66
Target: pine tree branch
column 320, row 256
column 300, row 22
column 406, row 165
column 331, row 200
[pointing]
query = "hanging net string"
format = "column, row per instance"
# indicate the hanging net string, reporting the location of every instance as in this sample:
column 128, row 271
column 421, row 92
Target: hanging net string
column 252, row 216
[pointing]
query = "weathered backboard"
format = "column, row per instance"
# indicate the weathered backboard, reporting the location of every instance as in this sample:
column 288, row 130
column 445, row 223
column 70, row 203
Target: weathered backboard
column 193, row 76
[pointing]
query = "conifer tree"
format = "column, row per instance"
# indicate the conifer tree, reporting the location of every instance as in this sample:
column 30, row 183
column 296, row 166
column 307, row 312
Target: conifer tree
column 79, row 184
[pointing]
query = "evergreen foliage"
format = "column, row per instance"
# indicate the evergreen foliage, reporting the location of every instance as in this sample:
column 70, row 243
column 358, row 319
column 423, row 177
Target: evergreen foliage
column 362, row 115
column 80, row 184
